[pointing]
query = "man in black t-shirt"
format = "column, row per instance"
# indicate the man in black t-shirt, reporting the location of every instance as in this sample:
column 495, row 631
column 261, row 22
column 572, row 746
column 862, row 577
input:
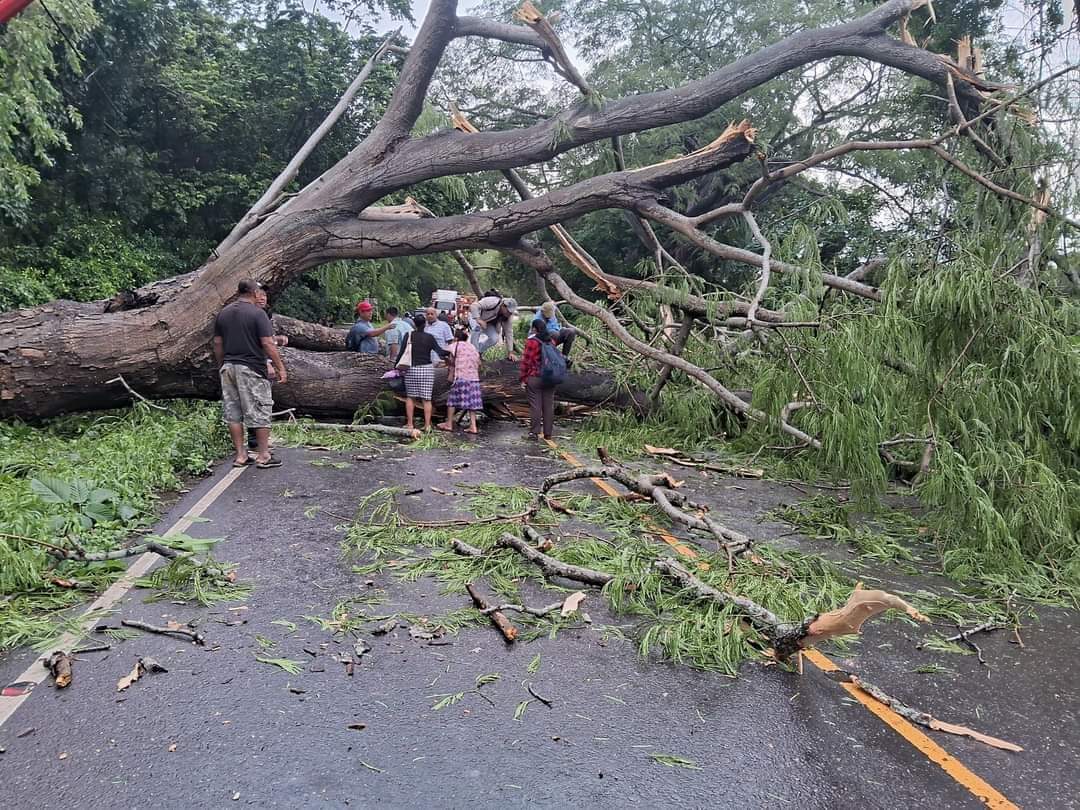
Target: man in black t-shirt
column 263, row 303
column 243, row 340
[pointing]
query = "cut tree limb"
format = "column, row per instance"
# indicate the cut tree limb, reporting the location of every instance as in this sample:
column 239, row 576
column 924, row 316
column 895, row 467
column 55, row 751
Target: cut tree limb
column 498, row 618
column 59, row 665
column 552, row 567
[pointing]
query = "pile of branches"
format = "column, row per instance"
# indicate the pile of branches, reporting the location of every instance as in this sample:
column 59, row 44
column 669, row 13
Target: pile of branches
column 694, row 583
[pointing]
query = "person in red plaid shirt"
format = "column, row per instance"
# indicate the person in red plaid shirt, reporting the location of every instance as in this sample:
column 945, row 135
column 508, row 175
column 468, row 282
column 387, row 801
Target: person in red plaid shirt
column 541, row 397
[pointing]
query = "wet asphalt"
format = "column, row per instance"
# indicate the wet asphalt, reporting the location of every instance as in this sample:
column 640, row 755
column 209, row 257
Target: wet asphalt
column 220, row 729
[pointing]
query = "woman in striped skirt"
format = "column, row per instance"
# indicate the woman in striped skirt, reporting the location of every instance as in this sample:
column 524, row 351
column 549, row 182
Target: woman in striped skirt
column 420, row 377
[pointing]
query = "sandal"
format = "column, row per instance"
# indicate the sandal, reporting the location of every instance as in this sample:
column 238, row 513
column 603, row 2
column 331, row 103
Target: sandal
column 270, row 462
column 248, row 463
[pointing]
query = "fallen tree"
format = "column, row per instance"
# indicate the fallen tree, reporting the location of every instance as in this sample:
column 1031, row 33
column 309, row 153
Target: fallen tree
column 335, row 384
column 58, row 357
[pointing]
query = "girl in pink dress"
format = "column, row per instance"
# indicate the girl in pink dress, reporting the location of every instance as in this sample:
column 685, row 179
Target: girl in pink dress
column 465, row 394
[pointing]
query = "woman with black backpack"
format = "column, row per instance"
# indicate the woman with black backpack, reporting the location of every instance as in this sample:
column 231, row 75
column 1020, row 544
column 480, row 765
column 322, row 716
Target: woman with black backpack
column 542, row 369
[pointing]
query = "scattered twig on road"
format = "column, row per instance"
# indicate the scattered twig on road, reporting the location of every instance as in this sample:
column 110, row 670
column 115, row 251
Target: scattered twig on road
column 964, row 637
column 92, row 649
column 546, row 701
column 386, row 430
column 192, row 635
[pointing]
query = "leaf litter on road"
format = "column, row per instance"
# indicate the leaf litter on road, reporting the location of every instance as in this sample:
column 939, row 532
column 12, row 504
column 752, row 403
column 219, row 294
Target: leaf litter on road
column 675, row 762
column 287, row 664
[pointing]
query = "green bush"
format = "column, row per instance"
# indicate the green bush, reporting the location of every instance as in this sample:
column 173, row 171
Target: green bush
column 93, row 477
column 84, row 261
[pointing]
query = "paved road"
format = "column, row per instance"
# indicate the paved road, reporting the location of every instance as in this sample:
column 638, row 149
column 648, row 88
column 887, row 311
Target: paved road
column 220, row 729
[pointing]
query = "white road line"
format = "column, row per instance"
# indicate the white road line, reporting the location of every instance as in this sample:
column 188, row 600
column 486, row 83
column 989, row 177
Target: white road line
column 37, row 672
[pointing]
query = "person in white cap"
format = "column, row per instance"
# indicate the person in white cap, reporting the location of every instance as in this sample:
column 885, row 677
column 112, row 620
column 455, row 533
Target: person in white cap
column 493, row 322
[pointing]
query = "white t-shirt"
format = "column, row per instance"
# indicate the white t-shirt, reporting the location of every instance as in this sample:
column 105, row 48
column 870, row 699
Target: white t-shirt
column 443, row 334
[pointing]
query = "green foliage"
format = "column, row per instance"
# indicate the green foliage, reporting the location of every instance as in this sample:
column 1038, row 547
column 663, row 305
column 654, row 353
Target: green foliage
column 33, row 112
column 989, row 371
column 85, row 260
column 206, row 582
column 288, row 664
column 51, row 480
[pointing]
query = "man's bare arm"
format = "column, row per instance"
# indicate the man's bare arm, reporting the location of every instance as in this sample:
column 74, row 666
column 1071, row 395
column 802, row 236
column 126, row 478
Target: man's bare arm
column 219, row 350
column 275, row 357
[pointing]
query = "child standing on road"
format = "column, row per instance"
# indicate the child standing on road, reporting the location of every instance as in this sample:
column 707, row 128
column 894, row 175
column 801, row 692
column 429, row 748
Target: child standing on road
column 465, row 394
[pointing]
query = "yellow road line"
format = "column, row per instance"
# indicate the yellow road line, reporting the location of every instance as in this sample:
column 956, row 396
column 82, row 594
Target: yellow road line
column 930, row 749
column 37, row 672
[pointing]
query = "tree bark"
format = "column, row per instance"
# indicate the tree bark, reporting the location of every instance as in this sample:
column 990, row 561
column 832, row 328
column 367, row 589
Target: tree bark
column 311, row 336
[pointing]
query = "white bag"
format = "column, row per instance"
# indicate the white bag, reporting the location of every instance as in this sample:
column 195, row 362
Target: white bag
column 406, row 354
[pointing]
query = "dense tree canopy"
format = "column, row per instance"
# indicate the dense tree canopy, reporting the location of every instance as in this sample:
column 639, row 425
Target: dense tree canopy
column 176, row 117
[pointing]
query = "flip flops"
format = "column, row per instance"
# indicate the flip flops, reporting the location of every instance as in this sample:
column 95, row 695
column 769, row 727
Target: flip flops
column 248, row 463
column 273, row 461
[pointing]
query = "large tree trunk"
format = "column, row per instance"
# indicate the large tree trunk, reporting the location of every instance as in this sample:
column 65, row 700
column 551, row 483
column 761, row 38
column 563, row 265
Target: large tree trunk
column 160, row 360
column 335, row 384
column 312, row 336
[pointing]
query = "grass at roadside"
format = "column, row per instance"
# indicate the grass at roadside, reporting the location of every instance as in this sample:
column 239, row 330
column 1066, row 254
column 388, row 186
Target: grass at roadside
column 91, row 479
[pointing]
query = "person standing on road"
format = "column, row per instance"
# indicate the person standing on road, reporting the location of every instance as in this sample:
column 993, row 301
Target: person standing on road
column 541, row 397
column 362, row 336
column 465, row 393
column 399, row 327
column 493, row 322
column 420, row 376
column 263, row 303
column 438, row 329
column 243, row 340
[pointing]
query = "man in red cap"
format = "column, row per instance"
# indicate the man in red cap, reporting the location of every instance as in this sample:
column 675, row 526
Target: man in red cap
column 362, row 336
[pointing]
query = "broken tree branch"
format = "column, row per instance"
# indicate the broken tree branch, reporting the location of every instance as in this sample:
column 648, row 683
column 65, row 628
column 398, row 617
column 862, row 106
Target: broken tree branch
column 120, row 379
column 683, row 335
column 787, row 638
column 193, row 636
column 918, row 717
column 502, row 624
column 552, row 567
column 656, row 488
column 766, row 255
column 82, row 555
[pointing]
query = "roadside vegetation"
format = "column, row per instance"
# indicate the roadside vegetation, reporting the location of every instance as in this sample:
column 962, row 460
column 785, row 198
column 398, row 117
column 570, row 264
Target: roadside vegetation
column 94, row 480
